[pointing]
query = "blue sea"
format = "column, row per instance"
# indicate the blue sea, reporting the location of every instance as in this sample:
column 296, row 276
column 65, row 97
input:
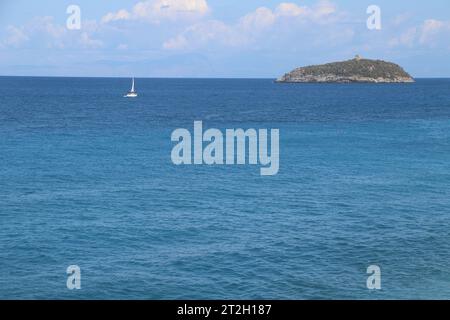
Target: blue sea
column 86, row 179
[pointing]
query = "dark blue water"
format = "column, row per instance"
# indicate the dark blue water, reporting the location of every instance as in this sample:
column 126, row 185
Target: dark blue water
column 86, row 178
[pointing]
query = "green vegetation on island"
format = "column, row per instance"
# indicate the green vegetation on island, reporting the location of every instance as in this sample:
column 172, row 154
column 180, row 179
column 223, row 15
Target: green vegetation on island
column 355, row 70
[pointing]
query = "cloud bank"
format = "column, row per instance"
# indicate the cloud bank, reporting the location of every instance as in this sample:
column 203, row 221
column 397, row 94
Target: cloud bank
column 174, row 33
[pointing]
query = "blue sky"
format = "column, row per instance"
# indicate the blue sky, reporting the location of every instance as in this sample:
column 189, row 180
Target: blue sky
column 218, row 38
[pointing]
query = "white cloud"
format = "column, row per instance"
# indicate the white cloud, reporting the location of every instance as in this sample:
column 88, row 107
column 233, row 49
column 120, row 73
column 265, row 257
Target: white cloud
column 194, row 32
column 251, row 26
column 201, row 34
column 401, row 18
column 87, row 42
column 16, row 37
column 44, row 28
column 119, row 15
column 257, row 20
column 179, row 42
column 44, row 32
column 155, row 11
column 48, row 26
column 407, row 38
column 323, row 9
column 290, row 10
column 430, row 33
column 431, row 29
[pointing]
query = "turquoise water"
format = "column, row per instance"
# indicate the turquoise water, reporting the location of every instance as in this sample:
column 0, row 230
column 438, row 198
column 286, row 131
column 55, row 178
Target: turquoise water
column 87, row 179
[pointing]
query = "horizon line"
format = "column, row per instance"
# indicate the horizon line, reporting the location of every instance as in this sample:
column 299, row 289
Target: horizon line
column 199, row 78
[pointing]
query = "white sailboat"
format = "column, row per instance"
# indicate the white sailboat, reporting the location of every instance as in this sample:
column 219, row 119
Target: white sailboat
column 132, row 93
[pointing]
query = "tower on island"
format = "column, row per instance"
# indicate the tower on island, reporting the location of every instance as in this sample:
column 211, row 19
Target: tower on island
column 358, row 57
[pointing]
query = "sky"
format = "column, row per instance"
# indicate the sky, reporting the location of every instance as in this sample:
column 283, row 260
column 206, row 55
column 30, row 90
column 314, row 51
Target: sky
column 218, row 38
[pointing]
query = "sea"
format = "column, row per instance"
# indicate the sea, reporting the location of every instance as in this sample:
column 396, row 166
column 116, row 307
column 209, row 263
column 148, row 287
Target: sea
column 87, row 180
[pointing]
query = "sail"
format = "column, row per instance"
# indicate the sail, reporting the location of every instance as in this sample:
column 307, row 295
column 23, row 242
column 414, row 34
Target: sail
column 132, row 86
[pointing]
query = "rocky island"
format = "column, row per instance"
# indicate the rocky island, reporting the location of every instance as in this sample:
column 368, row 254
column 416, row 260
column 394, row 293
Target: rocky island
column 355, row 70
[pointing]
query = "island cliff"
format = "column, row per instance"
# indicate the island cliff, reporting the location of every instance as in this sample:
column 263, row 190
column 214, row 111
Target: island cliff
column 355, row 70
